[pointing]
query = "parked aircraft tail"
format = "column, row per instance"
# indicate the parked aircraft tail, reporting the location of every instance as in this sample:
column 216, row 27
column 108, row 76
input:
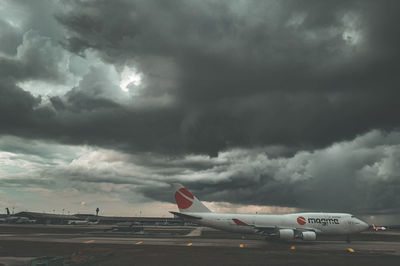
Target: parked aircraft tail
column 186, row 201
column 378, row 228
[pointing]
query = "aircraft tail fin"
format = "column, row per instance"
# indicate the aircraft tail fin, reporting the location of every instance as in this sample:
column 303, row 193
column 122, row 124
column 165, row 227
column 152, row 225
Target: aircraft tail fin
column 8, row 211
column 186, row 201
column 378, row 228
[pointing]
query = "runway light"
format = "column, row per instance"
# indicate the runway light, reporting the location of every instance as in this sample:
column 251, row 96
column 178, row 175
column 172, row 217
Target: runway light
column 140, row 242
column 292, row 247
column 241, row 246
column 350, row 250
column 190, row 244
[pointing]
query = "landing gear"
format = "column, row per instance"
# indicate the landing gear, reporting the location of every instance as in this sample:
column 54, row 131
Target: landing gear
column 348, row 240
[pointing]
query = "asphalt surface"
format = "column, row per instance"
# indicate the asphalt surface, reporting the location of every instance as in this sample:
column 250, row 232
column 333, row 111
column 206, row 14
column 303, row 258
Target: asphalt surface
column 98, row 245
column 382, row 247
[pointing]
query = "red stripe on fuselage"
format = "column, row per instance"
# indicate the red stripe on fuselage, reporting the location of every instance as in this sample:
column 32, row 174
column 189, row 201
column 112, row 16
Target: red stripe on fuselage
column 238, row 222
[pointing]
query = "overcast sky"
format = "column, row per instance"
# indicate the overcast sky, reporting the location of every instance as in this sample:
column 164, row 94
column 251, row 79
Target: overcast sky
column 268, row 106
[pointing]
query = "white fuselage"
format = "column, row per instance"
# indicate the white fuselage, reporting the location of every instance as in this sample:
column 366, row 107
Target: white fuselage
column 320, row 223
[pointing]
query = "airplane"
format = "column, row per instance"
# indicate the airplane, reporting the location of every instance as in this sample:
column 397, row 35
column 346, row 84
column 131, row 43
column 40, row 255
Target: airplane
column 16, row 219
column 305, row 226
column 82, row 222
column 93, row 222
column 77, row 222
column 378, row 228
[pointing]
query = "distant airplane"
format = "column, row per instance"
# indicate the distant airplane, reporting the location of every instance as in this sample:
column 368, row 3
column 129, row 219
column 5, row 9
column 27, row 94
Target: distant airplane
column 83, row 222
column 93, row 222
column 303, row 226
column 14, row 219
column 378, row 228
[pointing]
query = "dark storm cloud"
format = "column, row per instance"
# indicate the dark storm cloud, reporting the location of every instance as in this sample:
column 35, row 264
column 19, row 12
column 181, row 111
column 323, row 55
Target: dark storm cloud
column 16, row 106
column 10, row 38
column 252, row 73
column 360, row 176
column 240, row 73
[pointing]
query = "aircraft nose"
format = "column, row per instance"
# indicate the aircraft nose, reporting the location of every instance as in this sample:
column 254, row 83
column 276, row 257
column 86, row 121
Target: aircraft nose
column 364, row 226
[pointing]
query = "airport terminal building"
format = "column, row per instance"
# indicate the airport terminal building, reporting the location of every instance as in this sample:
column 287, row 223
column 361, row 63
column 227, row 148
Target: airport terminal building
column 49, row 218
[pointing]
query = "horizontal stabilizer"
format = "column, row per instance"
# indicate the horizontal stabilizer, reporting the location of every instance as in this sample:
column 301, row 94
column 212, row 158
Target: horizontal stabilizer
column 187, row 216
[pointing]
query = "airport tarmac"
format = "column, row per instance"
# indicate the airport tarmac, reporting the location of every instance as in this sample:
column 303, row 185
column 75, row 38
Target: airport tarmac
column 178, row 246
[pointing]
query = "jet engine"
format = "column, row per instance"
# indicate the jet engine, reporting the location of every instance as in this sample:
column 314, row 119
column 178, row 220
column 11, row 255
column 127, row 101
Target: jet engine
column 286, row 234
column 308, row 236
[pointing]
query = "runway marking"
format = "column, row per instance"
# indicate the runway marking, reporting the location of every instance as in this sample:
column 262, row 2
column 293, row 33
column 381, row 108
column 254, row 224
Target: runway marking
column 139, row 242
column 292, row 247
column 190, row 244
column 241, row 245
column 350, row 250
column 89, row 241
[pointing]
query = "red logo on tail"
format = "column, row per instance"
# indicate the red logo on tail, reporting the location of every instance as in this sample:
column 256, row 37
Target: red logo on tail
column 184, row 198
column 301, row 220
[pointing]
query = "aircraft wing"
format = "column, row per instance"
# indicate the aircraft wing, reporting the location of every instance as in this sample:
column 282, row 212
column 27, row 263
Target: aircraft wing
column 187, row 216
column 273, row 229
column 266, row 229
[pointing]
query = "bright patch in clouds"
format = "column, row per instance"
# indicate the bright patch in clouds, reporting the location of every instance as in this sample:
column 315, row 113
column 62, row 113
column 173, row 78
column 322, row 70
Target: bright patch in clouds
column 130, row 77
column 45, row 89
column 352, row 33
